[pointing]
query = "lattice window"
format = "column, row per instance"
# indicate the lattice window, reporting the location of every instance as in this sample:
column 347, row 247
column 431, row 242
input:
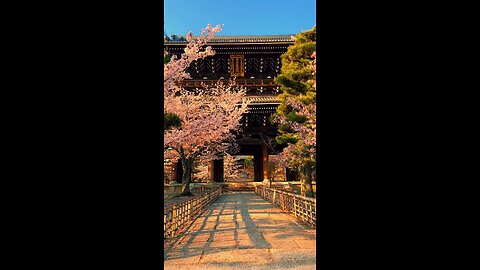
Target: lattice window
column 270, row 66
column 255, row 120
column 221, row 66
column 237, row 65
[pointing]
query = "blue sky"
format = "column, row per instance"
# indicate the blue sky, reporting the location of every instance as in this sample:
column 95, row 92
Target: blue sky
column 240, row 17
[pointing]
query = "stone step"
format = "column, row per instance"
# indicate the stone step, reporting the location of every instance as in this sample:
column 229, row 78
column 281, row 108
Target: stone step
column 239, row 186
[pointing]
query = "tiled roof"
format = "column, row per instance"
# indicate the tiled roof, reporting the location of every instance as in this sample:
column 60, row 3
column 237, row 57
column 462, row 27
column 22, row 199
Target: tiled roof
column 241, row 39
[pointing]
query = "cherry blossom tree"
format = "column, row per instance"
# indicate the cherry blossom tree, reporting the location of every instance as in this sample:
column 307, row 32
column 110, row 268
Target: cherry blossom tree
column 200, row 171
column 209, row 117
column 232, row 168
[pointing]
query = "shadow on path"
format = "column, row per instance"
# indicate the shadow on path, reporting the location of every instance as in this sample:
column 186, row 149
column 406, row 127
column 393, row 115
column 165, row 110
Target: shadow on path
column 241, row 227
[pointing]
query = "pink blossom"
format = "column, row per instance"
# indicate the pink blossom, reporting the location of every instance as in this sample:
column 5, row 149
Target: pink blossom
column 209, row 116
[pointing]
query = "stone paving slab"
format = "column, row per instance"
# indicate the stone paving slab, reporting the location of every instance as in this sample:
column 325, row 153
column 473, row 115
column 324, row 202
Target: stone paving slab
column 240, row 256
column 291, row 255
column 242, row 231
column 294, row 265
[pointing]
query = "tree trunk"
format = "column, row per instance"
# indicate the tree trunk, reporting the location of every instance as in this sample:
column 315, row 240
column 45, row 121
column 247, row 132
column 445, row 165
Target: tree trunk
column 271, row 172
column 306, row 182
column 211, row 173
column 186, row 177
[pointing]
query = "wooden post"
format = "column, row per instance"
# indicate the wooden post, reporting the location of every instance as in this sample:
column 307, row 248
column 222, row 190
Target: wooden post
column 172, row 227
column 295, row 206
column 265, row 162
column 305, row 206
column 311, row 213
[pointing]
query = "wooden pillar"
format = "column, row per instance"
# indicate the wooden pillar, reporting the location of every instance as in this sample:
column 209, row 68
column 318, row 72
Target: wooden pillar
column 215, row 171
column 265, row 162
column 177, row 171
column 218, row 170
column 258, row 167
column 288, row 175
column 211, row 175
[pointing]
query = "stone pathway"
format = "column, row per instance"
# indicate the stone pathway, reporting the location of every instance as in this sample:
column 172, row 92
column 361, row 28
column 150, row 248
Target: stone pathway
column 242, row 231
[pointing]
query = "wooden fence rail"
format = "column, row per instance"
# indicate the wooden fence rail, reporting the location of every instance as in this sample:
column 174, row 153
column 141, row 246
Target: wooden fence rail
column 180, row 213
column 195, row 190
column 202, row 189
column 303, row 208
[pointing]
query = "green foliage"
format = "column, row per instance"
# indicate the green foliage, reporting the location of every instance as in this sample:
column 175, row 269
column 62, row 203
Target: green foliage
column 309, row 98
column 166, row 59
column 171, row 120
column 271, row 118
column 293, row 117
column 286, row 138
column 248, row 161
column 295, row 80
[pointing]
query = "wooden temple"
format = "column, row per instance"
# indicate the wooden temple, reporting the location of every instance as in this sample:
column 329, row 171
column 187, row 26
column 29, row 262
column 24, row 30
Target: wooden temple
column 255, row 62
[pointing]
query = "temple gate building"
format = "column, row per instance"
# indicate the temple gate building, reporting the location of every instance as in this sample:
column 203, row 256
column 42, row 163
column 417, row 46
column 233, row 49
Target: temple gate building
column 255, row 62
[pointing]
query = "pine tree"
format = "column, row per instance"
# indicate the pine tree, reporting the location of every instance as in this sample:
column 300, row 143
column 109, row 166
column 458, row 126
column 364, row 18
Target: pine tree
column 294, row 80
column 296, row 113
column 171, row 120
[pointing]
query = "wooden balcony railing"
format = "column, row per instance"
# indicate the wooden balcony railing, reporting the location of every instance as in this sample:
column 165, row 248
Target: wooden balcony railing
column 180, row 213
column 303, row 208
column 240, row 82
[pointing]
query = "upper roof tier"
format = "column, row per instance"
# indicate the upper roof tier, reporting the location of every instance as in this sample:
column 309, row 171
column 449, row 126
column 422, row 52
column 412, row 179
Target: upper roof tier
column 236, row 39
